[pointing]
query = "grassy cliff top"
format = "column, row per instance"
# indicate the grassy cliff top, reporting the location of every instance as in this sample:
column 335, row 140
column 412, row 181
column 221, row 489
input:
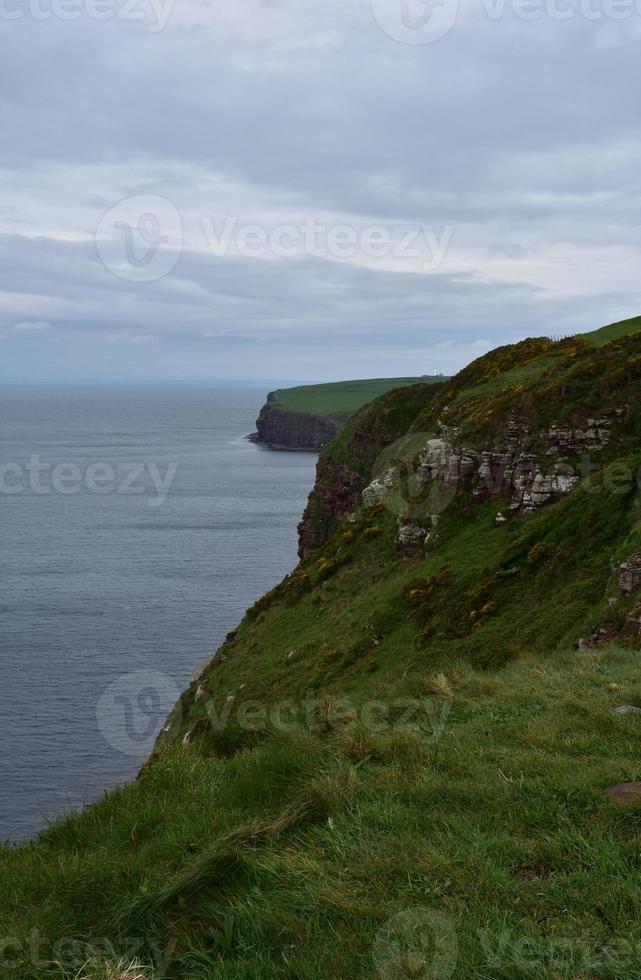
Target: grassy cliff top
column 340, row 398
column 614, row 331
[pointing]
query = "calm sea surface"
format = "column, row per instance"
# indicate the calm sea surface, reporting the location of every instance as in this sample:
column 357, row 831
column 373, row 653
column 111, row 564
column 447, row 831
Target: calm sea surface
column 112, row 589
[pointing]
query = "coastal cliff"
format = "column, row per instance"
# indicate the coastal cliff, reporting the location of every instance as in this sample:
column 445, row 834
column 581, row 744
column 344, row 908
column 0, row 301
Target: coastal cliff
column 429, row 728
column 308, row 417
column 277, row 428
column 344, row 469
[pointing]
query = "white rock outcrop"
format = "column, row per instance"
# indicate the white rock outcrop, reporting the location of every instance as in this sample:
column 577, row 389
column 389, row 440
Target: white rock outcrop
column 378, row 489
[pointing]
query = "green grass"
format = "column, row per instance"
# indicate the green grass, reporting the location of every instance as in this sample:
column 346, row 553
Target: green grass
column 532, row 369
column 233, row 868
column 391, row 748
column 521, row 375
column 614, row 331
column 473, row 788
column 339, row 399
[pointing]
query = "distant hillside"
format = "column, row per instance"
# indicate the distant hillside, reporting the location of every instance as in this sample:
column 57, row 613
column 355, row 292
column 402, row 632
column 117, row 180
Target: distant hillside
column 305, row 418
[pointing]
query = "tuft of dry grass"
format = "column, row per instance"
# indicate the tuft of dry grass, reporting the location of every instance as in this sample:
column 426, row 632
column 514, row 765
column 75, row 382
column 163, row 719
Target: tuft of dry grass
column 439, row 686
column 95, row 970
column 131, row 972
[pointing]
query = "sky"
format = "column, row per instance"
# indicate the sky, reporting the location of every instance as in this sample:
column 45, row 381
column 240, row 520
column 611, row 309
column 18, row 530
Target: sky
column 311, row 189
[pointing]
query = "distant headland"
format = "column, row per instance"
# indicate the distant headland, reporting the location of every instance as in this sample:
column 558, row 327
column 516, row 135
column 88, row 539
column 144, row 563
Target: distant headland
column 305, row 418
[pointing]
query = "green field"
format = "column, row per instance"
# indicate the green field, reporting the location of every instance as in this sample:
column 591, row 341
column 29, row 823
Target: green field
column 341, row 398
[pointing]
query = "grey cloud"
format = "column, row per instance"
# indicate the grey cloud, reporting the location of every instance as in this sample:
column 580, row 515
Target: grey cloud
column 523, row 136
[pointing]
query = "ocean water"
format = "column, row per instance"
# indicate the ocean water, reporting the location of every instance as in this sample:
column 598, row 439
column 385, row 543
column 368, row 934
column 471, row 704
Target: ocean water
column 137, row 525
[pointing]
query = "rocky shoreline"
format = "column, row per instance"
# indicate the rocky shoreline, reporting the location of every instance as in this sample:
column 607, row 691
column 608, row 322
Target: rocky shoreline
column 281, row 447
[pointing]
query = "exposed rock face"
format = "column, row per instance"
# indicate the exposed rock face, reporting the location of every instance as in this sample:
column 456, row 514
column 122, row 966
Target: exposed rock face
column 573, row 441
column 335, row 495
column 531, row 488
column 378, row 490
column 345, row 469
column 292, row 430
column 529, row 480
column 525, row 476
column 601, row 636
column 629, row 573
column 410, row 535
column 627, row 629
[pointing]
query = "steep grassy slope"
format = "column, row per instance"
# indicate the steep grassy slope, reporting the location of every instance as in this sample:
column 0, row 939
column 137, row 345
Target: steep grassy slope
column 395, row 766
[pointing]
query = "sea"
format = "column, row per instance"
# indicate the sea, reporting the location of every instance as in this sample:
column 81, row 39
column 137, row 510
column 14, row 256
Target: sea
column 137, row 526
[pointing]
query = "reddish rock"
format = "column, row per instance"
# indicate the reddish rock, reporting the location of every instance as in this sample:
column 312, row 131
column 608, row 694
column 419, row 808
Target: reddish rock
column 342, row 477
column 625, row 794
column 601, row 636
column 335, row 495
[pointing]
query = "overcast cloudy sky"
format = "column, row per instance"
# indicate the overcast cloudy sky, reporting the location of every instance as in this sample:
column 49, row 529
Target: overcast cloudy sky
column 311, row 189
